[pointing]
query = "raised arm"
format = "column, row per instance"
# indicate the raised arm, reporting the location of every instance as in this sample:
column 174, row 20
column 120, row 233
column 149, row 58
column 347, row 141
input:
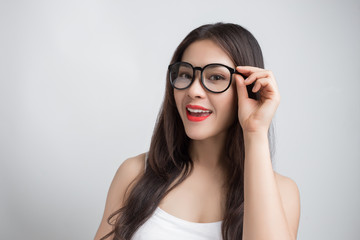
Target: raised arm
column 271, row 201
column 271, row 204
column 126, row 176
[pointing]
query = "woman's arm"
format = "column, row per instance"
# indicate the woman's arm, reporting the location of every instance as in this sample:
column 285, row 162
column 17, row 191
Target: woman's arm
column 128, row 171
column 271, row 202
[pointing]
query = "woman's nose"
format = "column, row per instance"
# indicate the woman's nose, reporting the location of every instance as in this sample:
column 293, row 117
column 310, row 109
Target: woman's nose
column 197, row 90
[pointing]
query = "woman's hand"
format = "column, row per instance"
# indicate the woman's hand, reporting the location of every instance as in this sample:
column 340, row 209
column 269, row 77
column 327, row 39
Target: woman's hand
column 256, row 115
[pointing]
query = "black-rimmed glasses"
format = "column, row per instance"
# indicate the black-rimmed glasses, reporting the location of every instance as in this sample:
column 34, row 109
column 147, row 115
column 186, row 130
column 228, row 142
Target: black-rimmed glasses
column 215, row 77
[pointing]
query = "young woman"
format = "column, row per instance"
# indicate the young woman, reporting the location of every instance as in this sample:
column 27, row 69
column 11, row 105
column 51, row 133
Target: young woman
column 208, row 172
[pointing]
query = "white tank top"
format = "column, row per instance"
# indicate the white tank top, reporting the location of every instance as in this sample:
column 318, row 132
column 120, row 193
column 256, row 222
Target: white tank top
column 164, row 226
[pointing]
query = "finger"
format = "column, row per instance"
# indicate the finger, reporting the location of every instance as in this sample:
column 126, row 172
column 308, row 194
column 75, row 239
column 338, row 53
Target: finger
column 241, row 87
column 256, row 75
column 264, row 83
column 258, row 85
column 248, row 70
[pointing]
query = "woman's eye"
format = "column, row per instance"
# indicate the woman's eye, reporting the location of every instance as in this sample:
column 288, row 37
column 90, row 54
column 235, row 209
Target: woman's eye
column 185, row 75
column 216, row 77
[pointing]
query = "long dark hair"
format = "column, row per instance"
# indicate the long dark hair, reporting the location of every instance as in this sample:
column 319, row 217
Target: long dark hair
column 168, row 156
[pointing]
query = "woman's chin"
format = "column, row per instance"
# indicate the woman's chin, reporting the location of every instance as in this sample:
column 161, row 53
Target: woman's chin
column 197, row 135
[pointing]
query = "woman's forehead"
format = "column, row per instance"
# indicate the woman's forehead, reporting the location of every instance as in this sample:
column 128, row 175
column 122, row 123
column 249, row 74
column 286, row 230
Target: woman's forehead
column 203, row 52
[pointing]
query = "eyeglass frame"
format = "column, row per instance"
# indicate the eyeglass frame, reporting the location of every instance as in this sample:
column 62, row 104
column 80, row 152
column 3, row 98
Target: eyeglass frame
column 201, row 69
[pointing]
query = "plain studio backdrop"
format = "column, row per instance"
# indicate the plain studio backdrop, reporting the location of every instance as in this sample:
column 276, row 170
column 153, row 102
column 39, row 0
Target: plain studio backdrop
column 81, row 84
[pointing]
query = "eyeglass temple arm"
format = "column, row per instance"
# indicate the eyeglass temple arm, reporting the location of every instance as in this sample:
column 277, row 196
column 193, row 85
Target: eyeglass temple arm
column 240, row 74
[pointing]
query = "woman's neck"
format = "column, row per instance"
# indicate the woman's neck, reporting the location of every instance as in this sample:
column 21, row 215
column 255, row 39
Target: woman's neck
column 208, row 153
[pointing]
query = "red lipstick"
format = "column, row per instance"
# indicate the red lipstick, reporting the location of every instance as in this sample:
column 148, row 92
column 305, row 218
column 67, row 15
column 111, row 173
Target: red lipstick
column 197, row 113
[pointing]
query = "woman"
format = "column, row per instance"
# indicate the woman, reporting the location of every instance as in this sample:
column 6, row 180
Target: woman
column 208, row 172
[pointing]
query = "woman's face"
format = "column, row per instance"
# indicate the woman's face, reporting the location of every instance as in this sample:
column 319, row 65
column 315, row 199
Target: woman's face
column 191, row 103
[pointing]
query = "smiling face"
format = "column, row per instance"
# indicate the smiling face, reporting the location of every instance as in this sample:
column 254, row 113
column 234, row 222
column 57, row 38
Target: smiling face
column 205, row 114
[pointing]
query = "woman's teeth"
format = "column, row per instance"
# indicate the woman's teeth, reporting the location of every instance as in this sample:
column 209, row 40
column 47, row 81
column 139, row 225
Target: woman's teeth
column 198, row 110
column 197, row 115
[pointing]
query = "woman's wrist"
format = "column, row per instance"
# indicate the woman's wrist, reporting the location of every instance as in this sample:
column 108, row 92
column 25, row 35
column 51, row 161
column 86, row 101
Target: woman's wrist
column 255, row 134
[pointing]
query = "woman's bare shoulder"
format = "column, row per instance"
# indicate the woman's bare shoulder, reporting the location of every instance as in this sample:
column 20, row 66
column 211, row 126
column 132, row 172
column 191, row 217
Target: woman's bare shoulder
column 287, row 187
column 131, row 167
column 290, row 197
column 127, row 174
column 125, row 177
column 283, row 179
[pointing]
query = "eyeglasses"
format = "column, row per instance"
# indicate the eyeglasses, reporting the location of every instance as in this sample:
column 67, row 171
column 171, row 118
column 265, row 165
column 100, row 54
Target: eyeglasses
column 215, row 77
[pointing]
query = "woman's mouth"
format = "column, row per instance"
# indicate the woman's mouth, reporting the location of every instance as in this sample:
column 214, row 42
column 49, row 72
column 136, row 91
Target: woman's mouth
column 197, row 113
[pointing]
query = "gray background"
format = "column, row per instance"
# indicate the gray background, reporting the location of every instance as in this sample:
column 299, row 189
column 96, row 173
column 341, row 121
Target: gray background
column 81, row 83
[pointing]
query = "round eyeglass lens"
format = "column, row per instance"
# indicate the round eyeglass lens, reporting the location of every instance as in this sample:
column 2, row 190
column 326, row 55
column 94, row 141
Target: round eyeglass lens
column 181, row 75
column 216, row 77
